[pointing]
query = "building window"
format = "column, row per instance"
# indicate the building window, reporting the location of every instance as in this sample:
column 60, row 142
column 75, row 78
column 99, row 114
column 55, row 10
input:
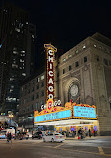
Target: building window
column 42, row 93
column 42, row 102
column 28, row 108
column 37, row 95
column 38, row 79
column 25, row 86
column 32, row 89
column 32, row 98
column 109, row 62
column 70, row 67
column 11, row 79
column 85, row 59
column 97, row 58
column 105, row 62
column 57, row 74
column 37, row 106
column 32, row 36
column 23, row 74
column 32, row 107
column 69, row 56
column 100, row 47
column 84, row 47
column 11, row 90
column 21, row 60
column 95, row 45
column 64, row 59
column 37, row 86
column 15, row 52
column 76, row 63
column 33, row 82
column 14, row 66
column 28, row 99
column 76, row 51
column 42, row 84
column 42, row 77
column 12, row 86
column 16, row 29
column 63, row 71
column 22, row 51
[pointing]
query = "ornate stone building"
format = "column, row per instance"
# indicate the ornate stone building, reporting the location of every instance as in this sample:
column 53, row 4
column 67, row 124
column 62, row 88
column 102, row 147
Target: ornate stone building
column 83, row 75
column 85, row 71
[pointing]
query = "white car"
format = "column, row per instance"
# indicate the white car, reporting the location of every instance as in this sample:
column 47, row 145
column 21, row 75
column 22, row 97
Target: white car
column 53, row 137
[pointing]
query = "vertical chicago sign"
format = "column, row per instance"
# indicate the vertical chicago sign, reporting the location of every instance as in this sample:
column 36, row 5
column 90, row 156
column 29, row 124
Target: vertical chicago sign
column 50, row 50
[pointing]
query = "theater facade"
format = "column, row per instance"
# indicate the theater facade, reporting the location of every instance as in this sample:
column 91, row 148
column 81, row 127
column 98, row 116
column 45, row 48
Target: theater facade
column 81, row 80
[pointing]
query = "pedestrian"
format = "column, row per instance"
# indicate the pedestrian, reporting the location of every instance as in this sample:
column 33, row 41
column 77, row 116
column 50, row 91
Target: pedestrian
column 82, row 132
column 94, row 132
column 10, row 137
column 79, row 133
column 89, row 133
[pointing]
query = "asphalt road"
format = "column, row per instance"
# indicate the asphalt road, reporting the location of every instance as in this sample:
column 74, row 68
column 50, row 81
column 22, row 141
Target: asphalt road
column 99, row 147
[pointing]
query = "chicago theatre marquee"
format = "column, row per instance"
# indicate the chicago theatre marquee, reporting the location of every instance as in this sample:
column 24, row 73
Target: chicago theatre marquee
column 82, row 76
column 79, row 87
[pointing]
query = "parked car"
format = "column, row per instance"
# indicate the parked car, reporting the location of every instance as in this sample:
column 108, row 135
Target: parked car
column 37, row 135
column 3, row 135
column 23, row 135
column 57, row 137
column 30, row 134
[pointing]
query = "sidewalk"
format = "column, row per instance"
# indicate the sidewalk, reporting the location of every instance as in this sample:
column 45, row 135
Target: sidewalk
column 88, row 138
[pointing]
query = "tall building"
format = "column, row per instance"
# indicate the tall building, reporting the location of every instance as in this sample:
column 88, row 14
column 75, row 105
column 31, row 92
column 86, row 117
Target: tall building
column 32, row 97
column 17, row 38
column 83, row 75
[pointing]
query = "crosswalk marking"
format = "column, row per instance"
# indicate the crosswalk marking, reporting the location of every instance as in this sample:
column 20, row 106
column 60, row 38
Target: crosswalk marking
column 101, row 150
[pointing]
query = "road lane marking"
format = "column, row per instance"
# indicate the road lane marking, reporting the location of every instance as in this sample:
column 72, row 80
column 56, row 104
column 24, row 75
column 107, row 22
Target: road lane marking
column 36, row 142
column 86, row 152
column 101, row 150
column 58, row 145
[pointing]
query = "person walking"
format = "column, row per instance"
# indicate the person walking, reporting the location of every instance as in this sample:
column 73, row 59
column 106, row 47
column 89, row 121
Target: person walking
column 79, row 133
column 9, row 137
column 89, row 133
column 94, row 133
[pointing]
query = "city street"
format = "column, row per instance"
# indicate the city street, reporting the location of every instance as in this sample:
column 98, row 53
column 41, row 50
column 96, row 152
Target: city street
column 98, row 147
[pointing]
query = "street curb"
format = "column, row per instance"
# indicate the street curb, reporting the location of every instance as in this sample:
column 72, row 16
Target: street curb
column 88, row 138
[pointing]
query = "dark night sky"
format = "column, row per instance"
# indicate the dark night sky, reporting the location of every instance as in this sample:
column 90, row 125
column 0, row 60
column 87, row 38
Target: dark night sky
column 66, row 23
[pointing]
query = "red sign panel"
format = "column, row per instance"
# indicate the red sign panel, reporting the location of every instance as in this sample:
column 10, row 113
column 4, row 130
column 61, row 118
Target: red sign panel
column 50, row 71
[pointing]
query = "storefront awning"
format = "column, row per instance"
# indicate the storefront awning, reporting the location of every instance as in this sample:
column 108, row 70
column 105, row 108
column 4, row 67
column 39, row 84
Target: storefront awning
column 72, row 122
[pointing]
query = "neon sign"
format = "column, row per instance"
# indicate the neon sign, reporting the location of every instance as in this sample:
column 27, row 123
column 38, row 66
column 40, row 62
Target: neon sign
column 53, row 116
column 86, row 112
column 50, row 70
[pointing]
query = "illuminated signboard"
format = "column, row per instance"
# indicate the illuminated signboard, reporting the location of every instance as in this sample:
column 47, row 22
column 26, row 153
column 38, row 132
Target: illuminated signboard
column 50, row 70
column 2, row 114
column 86, row 112
column 53, row 116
